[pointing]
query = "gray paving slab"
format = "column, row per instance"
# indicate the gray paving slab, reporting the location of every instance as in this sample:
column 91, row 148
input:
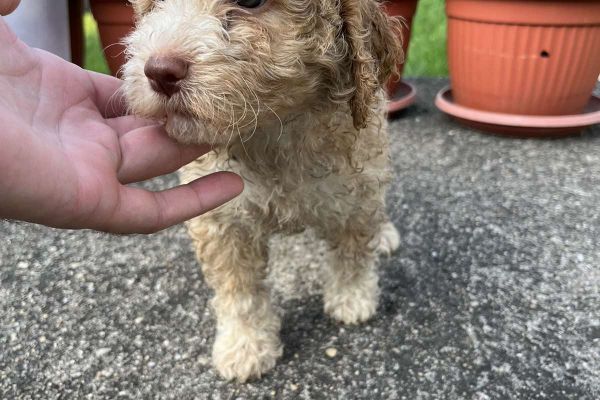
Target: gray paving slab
column 494, row 294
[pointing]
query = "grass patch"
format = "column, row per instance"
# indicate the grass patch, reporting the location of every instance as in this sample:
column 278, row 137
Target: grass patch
column 93, row 59
column 426, row 54
column 427, row 49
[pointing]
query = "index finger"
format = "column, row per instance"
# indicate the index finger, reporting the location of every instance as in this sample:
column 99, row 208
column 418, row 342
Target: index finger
column 141, row 211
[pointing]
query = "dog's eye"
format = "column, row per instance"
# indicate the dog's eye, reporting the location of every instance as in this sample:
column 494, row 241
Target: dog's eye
column 250, row 3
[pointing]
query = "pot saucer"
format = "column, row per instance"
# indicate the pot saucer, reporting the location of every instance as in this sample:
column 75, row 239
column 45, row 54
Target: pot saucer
column 404, row 96
column 525, row 126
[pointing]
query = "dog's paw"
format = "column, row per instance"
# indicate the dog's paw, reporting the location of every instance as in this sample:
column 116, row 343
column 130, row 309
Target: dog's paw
column 353, row 303
column 389, row 239
column 245, row 353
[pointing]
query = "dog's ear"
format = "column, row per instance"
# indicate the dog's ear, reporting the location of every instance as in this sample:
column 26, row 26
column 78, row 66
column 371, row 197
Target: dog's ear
column 375, row 49
column 140, row 7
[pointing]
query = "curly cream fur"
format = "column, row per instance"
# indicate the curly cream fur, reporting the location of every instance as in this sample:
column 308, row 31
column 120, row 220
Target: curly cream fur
column 290, row 96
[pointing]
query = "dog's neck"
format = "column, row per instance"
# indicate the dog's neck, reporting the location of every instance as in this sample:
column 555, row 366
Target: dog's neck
column 294, row 131
column 310, row 144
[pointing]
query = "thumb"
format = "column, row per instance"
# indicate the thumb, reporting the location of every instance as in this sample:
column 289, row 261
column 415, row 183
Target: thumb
column 8, row 6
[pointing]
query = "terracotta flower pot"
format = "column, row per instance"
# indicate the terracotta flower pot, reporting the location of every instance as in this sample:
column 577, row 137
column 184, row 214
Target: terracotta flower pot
column 400, row 93
column 405, row 9
column 526, row 57
column 115, row 21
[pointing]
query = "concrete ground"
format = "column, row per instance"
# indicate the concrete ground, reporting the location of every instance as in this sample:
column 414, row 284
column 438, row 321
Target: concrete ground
column 494, row 294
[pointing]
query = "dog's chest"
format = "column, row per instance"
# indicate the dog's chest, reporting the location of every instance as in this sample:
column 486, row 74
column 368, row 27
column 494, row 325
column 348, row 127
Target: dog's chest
column 301, row 178
column 308, row 183
column 291, row 183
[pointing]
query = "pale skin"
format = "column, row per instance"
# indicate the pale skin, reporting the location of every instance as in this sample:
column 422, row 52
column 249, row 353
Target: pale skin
column 68, row 151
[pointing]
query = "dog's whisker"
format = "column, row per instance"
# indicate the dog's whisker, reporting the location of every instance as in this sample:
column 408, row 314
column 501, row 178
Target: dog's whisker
column 229, row 139
column 229, row 125
column 232, row 126
column 104, row 49
column 236, row 127
column 243, row 145
column 255, row 112
column 243, row 116
column 113, row 100
column 280, row 122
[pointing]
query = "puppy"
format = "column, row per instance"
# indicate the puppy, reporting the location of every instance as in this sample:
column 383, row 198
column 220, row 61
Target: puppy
column 289, row 93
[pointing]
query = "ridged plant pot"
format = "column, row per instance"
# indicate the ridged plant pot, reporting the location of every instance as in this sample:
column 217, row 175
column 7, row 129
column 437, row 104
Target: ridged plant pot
column 400, row 93
column 405, row 9
column 115, row 21
column 530, row 57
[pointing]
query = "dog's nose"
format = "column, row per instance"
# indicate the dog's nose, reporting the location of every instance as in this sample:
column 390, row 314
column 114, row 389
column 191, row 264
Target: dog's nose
column 165, row 73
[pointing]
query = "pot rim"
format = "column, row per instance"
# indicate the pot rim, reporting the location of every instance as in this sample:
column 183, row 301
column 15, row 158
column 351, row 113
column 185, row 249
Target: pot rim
column 404, row 96
column 526, row 12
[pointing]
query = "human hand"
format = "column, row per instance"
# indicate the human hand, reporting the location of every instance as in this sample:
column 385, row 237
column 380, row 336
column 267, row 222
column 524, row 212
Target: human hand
column 67, row 150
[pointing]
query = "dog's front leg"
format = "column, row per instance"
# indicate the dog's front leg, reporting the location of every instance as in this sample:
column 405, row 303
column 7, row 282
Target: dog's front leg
column 234, row 264
column 351, row 284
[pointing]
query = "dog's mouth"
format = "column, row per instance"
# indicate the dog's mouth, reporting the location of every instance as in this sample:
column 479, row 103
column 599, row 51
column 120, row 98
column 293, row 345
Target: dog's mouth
column 190, row 129
column 193, row 125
